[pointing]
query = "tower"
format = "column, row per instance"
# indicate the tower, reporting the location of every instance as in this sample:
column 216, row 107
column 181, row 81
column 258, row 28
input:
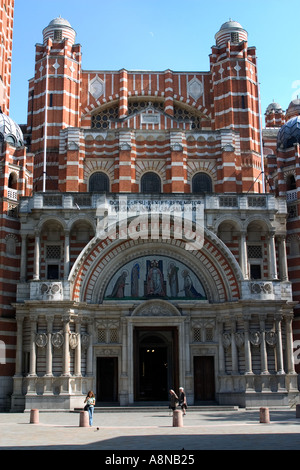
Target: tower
column 236, row 107
column 6, row 38
column 54, row 101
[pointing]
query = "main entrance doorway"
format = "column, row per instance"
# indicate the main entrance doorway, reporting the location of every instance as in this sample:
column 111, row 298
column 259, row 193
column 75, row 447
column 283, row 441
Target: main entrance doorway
column 204, row 378
column 156, row 363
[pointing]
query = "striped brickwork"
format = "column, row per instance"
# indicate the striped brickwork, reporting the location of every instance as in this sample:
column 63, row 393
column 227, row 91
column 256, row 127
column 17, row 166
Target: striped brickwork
column 6, row 34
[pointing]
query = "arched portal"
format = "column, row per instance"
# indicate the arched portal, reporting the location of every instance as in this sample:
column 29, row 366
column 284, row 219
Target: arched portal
column 156, row 362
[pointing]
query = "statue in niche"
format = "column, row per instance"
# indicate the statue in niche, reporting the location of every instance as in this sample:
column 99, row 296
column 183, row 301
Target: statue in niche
column 173, row 280
column 155, row 280
column 119, row 287
column 135, row 276
column 189, row 288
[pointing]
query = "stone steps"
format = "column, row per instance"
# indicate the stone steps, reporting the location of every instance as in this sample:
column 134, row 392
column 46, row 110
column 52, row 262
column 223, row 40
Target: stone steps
column 159, row 407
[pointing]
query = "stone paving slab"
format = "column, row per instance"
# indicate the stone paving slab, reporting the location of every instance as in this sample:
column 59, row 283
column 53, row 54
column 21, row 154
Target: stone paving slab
column 146, row 431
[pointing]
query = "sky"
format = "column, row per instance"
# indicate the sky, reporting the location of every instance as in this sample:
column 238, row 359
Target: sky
column 161, row 34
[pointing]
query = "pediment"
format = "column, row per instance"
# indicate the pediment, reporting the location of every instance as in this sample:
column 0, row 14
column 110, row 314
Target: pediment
column 156, row 308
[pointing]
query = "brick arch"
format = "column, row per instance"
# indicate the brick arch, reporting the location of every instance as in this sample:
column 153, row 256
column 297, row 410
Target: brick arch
column 214, row 265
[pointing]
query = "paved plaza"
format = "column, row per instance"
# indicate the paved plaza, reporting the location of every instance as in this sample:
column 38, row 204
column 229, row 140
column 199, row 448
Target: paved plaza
column 151, row 430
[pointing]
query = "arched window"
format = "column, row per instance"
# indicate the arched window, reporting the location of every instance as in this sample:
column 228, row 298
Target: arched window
column 290, row 183
column 201, row 183
column 99, row 182
column 12, row 181
column 150, row 183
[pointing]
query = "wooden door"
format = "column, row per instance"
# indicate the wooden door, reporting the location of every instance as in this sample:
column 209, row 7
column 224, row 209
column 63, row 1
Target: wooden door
column 204, row 378
column 107, row 379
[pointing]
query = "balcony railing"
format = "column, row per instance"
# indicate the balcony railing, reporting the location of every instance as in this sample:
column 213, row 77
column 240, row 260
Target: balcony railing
column 78, row 201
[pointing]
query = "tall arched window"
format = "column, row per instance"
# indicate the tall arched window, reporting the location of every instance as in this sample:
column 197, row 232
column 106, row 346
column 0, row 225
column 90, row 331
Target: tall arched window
column 201, row 183
column 290, row 183
column 99, row 182
column 150, row 183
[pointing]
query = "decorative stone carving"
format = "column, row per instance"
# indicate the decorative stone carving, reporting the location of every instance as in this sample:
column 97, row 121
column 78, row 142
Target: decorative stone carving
column 239, row 339
column 73, row 340
column 195, row 89
column 57, row 339
column 51, row 291
column 156, row 308
column 261, row 288
column 271, row 338
column 85, row 340
column 41, row 340
column 255, row 338
column 226, row 340
column 96, row 87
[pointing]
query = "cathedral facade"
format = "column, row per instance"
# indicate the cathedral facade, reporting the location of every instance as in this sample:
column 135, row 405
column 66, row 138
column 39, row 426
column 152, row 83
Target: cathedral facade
column 152, row 252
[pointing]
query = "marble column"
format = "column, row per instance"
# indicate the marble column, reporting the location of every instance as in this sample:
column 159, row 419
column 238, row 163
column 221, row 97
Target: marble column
column 289, row 344
column 19, row 352
column 247, row 345
column 23, row 267
column 66, row 346
column 36, row 273
column 279, row 350
column 67, row 255
column 89, row 364
column 243, row 255
column 221, row 347
column 283, row 259
column 32, row 366
column 272, row 257
column 49, row 346
column 78, row 349
column 263, row 348
column 234, row 354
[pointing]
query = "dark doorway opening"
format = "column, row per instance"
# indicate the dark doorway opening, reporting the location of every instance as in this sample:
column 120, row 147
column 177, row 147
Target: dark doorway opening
column 107, row 379
column 204, row 378
column 156, row 363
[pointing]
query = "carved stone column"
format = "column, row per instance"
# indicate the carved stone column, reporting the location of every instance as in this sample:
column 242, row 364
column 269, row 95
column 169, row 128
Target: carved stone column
column 20, row 320
column 243, row 255
column 36, row 267
column 283, row 259
column 49, row 346
column 289, row 344
column 234, row 355
column 67, row 255
column 263, row 347
column 66, row 346
column 23, row 268
column 272, row 257
column 89, row 364
column 247, row 345
column 221, row 347
column 77, row 370
column 32, row 370
column 279, row 350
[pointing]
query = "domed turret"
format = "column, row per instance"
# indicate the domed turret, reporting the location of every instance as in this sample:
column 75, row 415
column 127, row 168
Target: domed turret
column 274, row 115
column 10, row 131
column 293, row 109
column 58, row 30
column 289, row 134
column 231, row 31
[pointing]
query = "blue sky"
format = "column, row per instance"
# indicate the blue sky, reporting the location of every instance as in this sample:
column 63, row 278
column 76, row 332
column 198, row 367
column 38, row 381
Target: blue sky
column 161, row 34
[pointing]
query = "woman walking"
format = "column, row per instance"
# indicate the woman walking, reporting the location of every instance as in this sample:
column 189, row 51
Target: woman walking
column 182, row 400
column 90, row 405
